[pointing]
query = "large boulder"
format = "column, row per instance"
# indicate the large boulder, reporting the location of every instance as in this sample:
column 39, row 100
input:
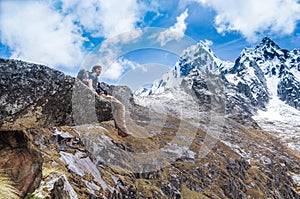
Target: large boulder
column 37, row 96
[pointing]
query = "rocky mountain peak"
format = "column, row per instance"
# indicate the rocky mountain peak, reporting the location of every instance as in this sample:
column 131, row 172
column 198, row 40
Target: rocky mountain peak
column 266, row 50
column 259, row 74
column 266, row 41
column 198, row 56
column 266, row 69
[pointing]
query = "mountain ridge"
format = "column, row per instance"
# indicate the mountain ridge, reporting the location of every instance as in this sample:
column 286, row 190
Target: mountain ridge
column 253, row 73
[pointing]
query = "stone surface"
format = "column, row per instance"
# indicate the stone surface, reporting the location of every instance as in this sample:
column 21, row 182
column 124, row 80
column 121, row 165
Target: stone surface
column 21, row 163
column 242, row 163
column 37, row 96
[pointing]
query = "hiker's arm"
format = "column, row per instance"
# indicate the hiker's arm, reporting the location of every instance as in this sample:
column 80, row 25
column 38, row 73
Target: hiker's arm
column 90, row 85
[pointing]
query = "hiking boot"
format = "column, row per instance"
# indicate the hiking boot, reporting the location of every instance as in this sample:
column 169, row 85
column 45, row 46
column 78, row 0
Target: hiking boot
column 123, row 134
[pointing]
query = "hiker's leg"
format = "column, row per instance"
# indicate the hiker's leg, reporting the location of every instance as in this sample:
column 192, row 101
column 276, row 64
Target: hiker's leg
column 118, row 110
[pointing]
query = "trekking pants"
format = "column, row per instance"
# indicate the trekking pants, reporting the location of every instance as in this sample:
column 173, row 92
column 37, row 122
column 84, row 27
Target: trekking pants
column 118, row 111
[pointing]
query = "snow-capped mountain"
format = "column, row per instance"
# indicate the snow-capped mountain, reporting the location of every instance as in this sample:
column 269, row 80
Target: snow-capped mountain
column 256, row 76
column 263, row 81
column 196, row 57
column 266, row 71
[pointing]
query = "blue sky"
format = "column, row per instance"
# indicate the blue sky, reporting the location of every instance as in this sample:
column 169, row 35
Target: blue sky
column 63, row 34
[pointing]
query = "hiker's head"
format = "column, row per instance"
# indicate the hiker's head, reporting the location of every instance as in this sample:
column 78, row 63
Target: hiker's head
column 97, row 69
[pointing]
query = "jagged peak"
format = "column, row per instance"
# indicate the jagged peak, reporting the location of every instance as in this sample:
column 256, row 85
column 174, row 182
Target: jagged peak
column 267, row 49
column 266, row 42
column 200, row 47
column 203, row 45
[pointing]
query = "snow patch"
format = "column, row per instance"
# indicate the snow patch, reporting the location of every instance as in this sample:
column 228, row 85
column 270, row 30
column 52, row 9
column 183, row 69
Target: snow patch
column 181, row 151
column 272, row 83
column 48, row 183
column 296, row 178
column 296, row 73
column 92, row 187
column 282, row 121
column 237, row 149
column 63, row 134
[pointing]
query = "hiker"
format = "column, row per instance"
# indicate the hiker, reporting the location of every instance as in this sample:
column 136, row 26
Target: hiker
column 118, row 109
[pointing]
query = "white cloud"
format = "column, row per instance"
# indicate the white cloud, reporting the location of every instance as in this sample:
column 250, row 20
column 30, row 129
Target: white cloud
column 105, row 18
column 119, row 17
column 144, row 69
column 36, row 33
column 129, row 64
column 175, row 32
column 87, row 13
column 39, row 32
column 111, row 49
column 116, row 69
column 254, row 17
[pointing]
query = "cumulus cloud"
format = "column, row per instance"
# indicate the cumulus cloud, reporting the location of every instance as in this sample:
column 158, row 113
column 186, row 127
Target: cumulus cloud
column 118, row 18
column 255, row 17
column 53, row 33
column 111, row 49
column 116, row 69
column 34, row 32
column 105, row 18
column 144, row 69
column 86, row 13
column 175, row 32
column 129, row 64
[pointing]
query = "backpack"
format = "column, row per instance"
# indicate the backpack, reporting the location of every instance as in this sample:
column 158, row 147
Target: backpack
column 83, row 75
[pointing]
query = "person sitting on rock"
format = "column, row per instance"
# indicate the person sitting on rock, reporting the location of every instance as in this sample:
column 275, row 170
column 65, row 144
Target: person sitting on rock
column 118, row 109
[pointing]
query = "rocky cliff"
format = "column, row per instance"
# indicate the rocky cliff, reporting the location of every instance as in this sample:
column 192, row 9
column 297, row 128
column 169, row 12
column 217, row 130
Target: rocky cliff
column 68, row 152
column 35, row 95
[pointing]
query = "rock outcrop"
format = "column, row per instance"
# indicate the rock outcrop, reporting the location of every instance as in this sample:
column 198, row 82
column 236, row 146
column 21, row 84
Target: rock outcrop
column 37, row 96
column 21, row 163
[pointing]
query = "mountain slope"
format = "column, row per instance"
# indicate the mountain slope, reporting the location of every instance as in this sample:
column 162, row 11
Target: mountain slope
column 262, row 82
column 176, row 151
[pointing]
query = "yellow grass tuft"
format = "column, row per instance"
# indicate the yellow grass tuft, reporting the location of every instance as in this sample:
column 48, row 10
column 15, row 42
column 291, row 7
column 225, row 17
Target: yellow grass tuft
column 7, row 190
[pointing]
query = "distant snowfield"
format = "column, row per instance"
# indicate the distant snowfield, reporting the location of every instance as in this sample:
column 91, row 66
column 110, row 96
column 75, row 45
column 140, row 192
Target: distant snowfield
column 174, row 101
column 178, row 103
column 282, row 121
